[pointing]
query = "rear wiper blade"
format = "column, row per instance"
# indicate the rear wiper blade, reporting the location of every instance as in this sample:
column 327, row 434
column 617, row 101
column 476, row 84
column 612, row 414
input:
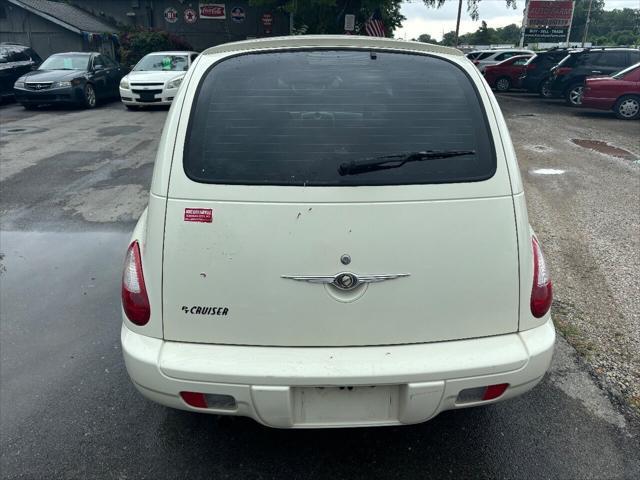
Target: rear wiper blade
column 397, row 160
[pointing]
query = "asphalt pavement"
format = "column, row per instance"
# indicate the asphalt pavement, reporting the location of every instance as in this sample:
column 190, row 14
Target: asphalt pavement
column 72, row 183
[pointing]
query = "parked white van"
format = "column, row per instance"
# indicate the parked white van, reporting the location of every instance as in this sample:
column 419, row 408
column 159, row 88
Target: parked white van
column 336, row 236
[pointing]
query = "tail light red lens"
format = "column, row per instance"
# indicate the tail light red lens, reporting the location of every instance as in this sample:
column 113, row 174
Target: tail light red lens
column 562, row 70
column 532, row 66
column 194, row 399
column 542, row 290
column 494, row 391
column 135, row 300
column 481, row 394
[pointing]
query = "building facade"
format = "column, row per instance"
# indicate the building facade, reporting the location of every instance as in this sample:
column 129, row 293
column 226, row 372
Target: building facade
column 201, row 23
column 52, row 27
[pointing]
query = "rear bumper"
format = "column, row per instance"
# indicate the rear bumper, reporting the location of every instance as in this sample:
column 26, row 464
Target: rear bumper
column 266, row 381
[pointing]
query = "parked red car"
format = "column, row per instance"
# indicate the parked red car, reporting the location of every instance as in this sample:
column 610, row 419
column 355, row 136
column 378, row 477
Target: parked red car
column 619, row 92
column 505, row 75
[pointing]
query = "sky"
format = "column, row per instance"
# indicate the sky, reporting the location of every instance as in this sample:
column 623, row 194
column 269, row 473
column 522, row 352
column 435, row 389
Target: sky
column 421, row 19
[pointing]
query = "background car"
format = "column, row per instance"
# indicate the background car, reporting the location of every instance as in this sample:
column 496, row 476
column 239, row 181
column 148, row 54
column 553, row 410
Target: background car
column 506, row 74
column 155, row 79
column 569, row 75
column 493, row 57
column 15, row 61
column 537, row 73
column 619, row 92
column 81, row 78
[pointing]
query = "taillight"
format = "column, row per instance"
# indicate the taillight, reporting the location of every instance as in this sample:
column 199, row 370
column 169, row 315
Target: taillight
column 532, row 66
column 476, row 62
column 542, row 290
column 135, row 301
column 562, row 70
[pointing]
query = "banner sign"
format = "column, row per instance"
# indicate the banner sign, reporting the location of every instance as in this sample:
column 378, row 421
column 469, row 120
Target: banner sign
column 215, row 11
column 547, row 33
column 549, row 13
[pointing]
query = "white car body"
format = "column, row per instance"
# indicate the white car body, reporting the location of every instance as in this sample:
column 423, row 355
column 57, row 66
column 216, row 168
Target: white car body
column 221, row 326
column 157, row 84
column 493, row 57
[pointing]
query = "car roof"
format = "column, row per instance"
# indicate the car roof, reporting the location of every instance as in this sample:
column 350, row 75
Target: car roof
column 74, row 53
column 329, row 41
column 172, row 52
column 606, row 49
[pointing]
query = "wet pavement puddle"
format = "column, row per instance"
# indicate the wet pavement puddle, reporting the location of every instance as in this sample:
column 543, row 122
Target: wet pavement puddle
column 603, row 147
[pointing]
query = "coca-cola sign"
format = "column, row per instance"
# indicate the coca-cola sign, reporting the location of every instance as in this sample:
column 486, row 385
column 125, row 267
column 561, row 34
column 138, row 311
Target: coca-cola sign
column 215, row 11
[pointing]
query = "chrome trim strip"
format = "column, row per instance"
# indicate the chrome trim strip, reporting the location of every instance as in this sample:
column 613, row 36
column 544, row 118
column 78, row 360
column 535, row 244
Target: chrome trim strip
column 345, row 280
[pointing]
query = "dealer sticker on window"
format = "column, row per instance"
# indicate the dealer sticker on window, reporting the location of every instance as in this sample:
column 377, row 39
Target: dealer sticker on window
column 202, row 215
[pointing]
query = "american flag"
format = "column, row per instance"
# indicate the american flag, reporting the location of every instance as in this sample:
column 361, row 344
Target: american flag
column 374, row 26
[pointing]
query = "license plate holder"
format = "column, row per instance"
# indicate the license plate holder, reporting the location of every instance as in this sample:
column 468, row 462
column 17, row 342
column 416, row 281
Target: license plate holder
column 356, row 405
column 147, row 96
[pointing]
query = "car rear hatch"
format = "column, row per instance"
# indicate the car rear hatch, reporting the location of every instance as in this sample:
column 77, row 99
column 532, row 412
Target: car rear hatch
column 264, row 239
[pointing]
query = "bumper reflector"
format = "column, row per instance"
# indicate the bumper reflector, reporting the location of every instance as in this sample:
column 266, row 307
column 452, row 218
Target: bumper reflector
column 194, row 399
column 481, row 394
column 209, row 400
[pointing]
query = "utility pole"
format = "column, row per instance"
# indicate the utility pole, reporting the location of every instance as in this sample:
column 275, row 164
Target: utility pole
column 458, row 23
column 525, row 21
column 573, row 10
column 586, row 26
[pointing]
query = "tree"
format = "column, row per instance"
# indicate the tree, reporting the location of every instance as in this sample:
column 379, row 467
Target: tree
column 472, row 10
column 580, row 17
column 484, row 35
column 449, row 39
column 426, row 38
column 327, row 16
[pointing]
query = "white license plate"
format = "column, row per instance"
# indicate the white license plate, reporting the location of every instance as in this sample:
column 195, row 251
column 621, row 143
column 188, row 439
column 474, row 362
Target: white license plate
column 346, row 405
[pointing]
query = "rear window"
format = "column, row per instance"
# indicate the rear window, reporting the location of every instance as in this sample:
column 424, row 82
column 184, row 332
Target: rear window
column 291, row 118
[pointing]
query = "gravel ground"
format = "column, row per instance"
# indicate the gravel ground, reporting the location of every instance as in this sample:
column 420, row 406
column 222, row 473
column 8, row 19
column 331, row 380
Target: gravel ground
column 588, row 218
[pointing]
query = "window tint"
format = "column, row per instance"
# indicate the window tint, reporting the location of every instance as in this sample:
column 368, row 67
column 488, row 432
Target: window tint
column 193, row 57
column 520, row 61
column 99, row 60
column 634, row 56
column 108, row 62
column 613, row 59
column 484, row 55
column 292, row 118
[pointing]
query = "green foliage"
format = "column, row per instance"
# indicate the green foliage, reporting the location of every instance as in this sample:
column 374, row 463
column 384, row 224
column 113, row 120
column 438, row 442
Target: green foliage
column 614, row 27
column 426, row 38
column 327, row 16
column 509, row 35
column 136, row 42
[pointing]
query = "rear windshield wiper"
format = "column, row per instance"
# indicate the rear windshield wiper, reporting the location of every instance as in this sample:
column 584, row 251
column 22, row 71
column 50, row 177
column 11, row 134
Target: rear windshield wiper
column 386, row 162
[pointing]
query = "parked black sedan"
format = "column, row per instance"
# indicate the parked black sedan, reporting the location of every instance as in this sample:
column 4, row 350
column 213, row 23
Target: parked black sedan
column 15, row 61
column 81, row 78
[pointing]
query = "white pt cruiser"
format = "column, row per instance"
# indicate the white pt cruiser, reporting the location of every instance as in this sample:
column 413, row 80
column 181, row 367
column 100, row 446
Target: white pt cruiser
column 336, row 236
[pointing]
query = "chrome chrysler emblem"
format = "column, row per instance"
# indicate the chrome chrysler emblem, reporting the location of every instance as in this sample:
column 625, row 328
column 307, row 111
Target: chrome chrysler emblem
column 345, row 280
